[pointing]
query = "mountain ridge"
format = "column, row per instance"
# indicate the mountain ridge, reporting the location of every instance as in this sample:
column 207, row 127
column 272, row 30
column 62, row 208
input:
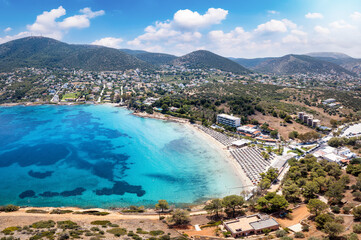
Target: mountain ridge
column 209, row 60
column 47, row 52
column 300, row 64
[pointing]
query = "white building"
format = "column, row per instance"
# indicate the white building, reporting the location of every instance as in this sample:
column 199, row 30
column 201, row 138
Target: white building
column 228, row 120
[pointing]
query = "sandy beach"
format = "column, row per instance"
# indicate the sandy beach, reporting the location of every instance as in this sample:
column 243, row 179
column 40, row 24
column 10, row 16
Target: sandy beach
column 246, row 182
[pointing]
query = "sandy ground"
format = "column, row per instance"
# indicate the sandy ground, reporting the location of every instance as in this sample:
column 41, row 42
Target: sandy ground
column 129, row 222
column 209, row 231
column 22, row 218
column 246, row 183
column 297, row 215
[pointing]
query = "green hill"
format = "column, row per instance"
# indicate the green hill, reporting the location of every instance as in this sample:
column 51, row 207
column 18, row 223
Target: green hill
column 300, row 64
column 345, row 61
column 151, row 58
column 206, row 60
column 46, row 52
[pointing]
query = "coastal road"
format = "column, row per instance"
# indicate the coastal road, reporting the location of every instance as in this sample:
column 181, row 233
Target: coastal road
column 121, row 94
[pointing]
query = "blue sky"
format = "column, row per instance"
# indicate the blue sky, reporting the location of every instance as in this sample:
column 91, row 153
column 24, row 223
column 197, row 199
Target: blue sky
column 236, row 28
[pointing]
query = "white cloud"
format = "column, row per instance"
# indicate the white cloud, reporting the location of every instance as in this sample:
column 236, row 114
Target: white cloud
column 109, row 42
column 90, row 14
column 276, row 26
column 8, row 29
column 273, row 12
column 234, row 37
column 17, row 36
column 314, row 16
column 356, row 16
column 193, row 20
column 80, row 21
column 321, row 30
column 182, row 31
column 48, row 24
column 190, row 30
column 341, row 24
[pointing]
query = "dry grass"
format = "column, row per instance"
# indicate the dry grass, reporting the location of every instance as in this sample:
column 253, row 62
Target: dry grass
column 298, row 214
column 209, row 231
column 276, row 124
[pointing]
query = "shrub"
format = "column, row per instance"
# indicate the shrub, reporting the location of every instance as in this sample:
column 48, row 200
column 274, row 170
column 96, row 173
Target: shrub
column 43, row 224
column 322, row 219
column 9, row 230
column 305, row 228
column 36, row 211
column 156, row 232
column 299, row 235
column 101, row 222
column 45, row 234
column 118, row 231
column 141, row 231
column 313, row 238
column 336, row 209
column 339, row 219
column 63, row 236
column 9, row 208
column 134, row 209
column 286, row 238
column 281, row 233
column 352, row 236
column 357, row 213
column 346, row 209
column 113, row 225
column 75, row 233
column 357, row 228
column 92, row 212
column 67, row 225
column 266, row 231
column 164, row 237
column 60, row 211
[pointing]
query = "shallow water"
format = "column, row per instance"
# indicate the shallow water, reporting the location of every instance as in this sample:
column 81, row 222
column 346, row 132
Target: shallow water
column 102, row 156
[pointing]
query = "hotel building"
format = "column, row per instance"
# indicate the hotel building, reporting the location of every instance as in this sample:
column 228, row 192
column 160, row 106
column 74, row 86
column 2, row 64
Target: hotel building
column 228, row 120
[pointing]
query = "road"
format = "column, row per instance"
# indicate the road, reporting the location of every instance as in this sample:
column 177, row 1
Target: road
column 101, row 94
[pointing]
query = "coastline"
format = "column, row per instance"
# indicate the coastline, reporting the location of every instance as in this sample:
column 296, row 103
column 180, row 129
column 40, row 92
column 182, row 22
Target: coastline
column 226, row 155
column 236, row 168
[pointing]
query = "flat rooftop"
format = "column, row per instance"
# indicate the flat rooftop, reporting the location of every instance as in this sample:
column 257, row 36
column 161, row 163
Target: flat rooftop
column 228, row 116
column 262, row 224
column 242, row 224
column 253, row 222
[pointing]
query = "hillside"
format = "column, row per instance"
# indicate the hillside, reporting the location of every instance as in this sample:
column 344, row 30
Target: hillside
column 207, row 60
column 151, row 58
column 250, row 62
column 46, row 52
column 330, row 55
column 131, row 51
column 345, row 61
column 302, row 64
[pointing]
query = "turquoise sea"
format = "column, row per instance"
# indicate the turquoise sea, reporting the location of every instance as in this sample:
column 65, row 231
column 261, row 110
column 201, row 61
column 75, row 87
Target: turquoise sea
column 103, row 156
